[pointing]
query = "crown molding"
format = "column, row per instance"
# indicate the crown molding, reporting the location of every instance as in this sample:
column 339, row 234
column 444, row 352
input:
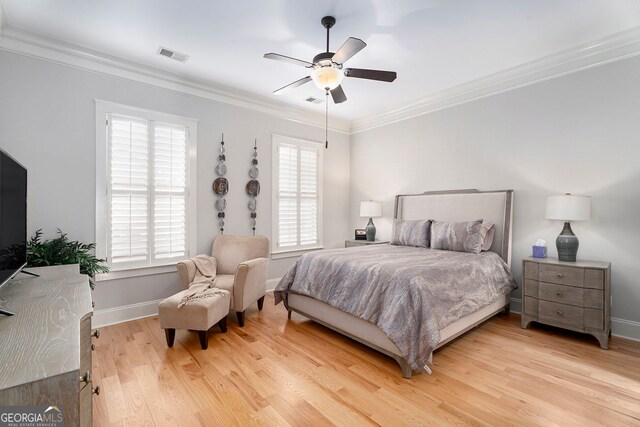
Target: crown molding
column 612, row 48
column 45, row 48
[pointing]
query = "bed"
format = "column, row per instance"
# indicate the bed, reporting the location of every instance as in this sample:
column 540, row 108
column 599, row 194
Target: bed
column 379, row 330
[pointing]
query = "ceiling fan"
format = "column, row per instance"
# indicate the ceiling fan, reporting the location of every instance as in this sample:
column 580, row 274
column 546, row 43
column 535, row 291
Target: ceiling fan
column 327, row 69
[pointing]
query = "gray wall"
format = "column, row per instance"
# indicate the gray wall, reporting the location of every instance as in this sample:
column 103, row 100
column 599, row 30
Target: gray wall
column 47, row 122
column 578, row 133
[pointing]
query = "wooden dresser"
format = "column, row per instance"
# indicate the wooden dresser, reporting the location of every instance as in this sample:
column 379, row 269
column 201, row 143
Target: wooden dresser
column 570, row 295
column 45, row 356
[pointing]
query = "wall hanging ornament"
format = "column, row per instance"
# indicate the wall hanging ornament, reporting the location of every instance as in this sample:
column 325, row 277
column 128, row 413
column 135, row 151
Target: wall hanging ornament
column 221, row 186
column 253, row 187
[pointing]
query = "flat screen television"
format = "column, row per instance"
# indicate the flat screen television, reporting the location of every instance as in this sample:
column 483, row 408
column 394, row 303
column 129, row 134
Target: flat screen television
column 13, row 218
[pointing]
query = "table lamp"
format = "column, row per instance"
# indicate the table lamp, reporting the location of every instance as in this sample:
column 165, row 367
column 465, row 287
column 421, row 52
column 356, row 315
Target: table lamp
column 568, row 208
column 371, row 210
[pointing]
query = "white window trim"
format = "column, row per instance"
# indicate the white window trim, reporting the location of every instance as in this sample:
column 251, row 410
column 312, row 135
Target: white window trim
column 277, row 253
column 103, row 108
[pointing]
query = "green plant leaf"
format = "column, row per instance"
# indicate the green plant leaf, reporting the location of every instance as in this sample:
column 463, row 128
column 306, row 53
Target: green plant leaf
column 61, row 251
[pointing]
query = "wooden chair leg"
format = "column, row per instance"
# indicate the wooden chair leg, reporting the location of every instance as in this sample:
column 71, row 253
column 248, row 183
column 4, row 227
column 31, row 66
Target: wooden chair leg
column 170, row 334
column 204, row 339
column 289, row 314
column 240, row 315
column 261, row 303
column 223, row 324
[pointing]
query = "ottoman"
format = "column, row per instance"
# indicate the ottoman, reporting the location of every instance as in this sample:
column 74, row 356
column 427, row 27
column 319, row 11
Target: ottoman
column 200, row 314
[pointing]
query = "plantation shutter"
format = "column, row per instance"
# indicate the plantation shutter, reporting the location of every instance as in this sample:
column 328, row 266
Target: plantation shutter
column 170, row 171
column 288, row 196
column 147, row 192
column 129, row 181
column 308, row 196
column 297, row 195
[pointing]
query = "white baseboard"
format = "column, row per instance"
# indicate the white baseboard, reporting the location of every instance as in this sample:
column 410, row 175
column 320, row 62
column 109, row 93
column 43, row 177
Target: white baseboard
column 124, row 313
column 619, row 327
column 516, row 305
column 625, row 329
column 272, row 283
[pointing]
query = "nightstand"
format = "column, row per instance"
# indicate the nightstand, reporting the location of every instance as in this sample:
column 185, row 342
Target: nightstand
column 350, row 243
column 569, row 295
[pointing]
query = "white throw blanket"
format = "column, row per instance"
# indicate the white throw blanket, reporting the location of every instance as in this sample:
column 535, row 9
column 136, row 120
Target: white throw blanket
column 202, row 285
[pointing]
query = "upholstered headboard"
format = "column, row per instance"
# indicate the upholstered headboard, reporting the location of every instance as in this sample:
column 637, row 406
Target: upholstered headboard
column 463, row 205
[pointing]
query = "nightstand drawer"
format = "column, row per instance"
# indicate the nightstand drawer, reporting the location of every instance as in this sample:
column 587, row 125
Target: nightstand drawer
column 556, row 313
column 582, row 297
column 560, row 274
column 560, row 293
column 563, row 313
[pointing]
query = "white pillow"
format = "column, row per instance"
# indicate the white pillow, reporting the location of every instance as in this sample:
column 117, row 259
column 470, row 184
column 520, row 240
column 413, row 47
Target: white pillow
column 489, row 231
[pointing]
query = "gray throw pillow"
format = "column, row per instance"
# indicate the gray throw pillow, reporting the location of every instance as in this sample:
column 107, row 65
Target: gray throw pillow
column 411, row 233
column 458, row 236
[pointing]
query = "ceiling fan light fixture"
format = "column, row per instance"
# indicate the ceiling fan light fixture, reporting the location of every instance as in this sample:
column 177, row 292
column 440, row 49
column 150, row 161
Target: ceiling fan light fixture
column 327, row 77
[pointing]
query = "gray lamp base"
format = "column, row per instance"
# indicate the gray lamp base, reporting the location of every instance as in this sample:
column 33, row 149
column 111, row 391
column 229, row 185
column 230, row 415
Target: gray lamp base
column 371, row 231
column 567, row 244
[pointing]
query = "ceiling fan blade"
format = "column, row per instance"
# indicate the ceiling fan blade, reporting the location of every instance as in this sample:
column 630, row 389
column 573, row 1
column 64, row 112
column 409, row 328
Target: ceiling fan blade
column 290, row 86
column 283, row 58
column 384, row 76
column 338, row 95
column 348, row 49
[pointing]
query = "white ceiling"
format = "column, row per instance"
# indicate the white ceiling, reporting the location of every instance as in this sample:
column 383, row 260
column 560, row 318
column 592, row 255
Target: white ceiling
column 432, row 44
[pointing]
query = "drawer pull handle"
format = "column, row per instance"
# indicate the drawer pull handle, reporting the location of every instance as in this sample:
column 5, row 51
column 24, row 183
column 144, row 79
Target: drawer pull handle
column 95, row 390
column 96, row 333
column 560, row 313
column 559, row 275
column 86, row 378
column 93, row 304
column 560, row 294
column 93, row 347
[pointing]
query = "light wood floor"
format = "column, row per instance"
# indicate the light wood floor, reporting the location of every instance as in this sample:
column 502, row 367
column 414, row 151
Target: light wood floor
column 279, row 372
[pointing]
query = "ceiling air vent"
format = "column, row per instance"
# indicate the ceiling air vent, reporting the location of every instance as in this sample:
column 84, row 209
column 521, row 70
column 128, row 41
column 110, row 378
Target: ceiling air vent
column 182, row 57
column 313, row 100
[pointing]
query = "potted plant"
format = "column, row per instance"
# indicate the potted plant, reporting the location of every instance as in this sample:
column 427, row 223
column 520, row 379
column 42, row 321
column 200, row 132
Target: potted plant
column 60, row 251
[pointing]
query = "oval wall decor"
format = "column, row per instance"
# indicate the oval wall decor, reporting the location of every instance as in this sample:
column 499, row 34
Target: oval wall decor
column 221, row 187
column 253, row 188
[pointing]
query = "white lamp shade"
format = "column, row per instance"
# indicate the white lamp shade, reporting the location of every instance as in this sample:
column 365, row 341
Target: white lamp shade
column 370, row 209
column 568, row 208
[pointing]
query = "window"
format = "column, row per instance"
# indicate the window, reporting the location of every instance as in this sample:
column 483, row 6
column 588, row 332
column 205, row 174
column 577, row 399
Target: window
column 145, row 170
column 297, row 184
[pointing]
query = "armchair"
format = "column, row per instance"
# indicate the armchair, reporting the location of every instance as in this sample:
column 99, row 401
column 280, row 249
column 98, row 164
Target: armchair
column 242, row 270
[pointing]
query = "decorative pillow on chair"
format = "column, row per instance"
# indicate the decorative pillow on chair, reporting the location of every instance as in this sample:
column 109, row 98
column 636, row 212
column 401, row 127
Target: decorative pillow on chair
column 411, row 233
column 458, row 236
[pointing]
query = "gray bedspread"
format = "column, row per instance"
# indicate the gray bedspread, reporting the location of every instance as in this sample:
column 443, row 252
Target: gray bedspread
column 410, row 293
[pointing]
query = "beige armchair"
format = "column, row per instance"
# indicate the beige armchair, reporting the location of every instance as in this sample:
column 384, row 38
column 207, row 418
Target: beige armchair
column 242, row 270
